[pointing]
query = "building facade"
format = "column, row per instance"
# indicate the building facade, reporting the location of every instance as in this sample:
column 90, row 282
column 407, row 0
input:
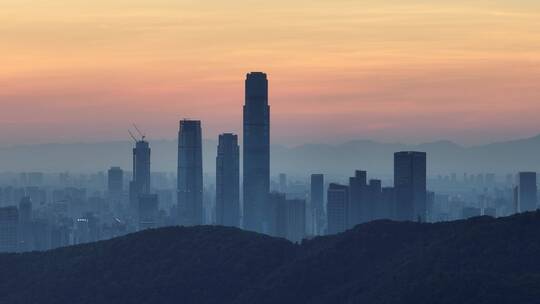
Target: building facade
column 115, row 188
column 9, row 232
column 337, row 208
column 317, row 202
column 256, row 152
column 358, row 211
column 148, row 211
column 228, row 181
column 140, row 184
column 190, row 173
column 527, row 192
column 410, row 185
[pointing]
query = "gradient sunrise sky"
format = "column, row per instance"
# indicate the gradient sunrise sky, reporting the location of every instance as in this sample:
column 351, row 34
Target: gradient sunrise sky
column 389, row 70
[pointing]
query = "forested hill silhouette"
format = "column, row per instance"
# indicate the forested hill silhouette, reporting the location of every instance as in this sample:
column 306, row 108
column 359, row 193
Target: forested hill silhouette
column 481, row 260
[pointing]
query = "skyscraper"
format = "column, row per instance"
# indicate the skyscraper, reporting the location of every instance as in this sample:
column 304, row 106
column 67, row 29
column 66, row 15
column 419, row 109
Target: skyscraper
column 283, row 183
column 286, row 217
column 115, row 189
column 148, row 211
column 256, row 147
column 9, row 222
column 527, row 194
column 296, row 220
column 337, row 208
column 374, row 199
column 388, row 201
column 115, row 180
column 190, row 173
column 141, row 173
column 228, row 181
column 317, row 201
column 25, row 210
column 410, row 185
column 358, row 211
column 275, row 211
column 25, row 224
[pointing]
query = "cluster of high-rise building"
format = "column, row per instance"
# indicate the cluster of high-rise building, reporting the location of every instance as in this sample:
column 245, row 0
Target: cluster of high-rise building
column 35, row 216
column 363, row 201
column 256, row 169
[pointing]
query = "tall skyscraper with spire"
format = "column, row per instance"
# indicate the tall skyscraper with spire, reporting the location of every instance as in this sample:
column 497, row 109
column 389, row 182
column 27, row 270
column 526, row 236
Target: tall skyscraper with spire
column 256, row 151
column 190, row 173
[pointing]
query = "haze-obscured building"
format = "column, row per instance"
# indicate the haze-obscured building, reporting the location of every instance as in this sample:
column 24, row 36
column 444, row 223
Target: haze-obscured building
column 317, row 202
column 228, row 181
column 9, row 224
column 337, row 208
column 190, row 173
column 527, row 192
column 410, row 185
column 148, row 211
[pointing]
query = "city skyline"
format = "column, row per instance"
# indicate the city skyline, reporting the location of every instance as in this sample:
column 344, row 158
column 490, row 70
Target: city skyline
column 40, row 212
column 244, row 151
column 410, row 71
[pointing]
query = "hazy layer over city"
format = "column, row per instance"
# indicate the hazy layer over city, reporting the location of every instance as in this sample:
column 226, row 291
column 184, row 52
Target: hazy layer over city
column 333, row 159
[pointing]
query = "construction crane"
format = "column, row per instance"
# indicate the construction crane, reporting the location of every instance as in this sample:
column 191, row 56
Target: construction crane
column 132, row 136
column 139, row 131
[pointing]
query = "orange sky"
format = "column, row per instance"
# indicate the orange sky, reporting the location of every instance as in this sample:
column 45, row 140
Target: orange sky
column 407, row 70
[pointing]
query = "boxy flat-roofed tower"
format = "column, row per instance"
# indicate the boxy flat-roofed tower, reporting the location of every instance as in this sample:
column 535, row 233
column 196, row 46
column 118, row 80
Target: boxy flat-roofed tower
column 317, row 201
column 9, row 222
column 190, row 173
column 410, row 185
column 337, row 209
column 228, row 181
column 115, row 180
column 527, row 194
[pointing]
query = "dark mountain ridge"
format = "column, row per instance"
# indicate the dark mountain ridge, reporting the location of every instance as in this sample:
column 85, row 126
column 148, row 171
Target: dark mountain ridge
column 481, row 260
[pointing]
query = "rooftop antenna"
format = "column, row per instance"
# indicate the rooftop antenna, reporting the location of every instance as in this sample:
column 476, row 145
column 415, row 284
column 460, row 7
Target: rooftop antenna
column 139, row 131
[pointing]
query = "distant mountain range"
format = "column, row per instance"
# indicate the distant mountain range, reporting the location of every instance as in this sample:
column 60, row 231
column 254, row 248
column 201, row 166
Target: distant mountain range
column 481, row 260
column 337, row 160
